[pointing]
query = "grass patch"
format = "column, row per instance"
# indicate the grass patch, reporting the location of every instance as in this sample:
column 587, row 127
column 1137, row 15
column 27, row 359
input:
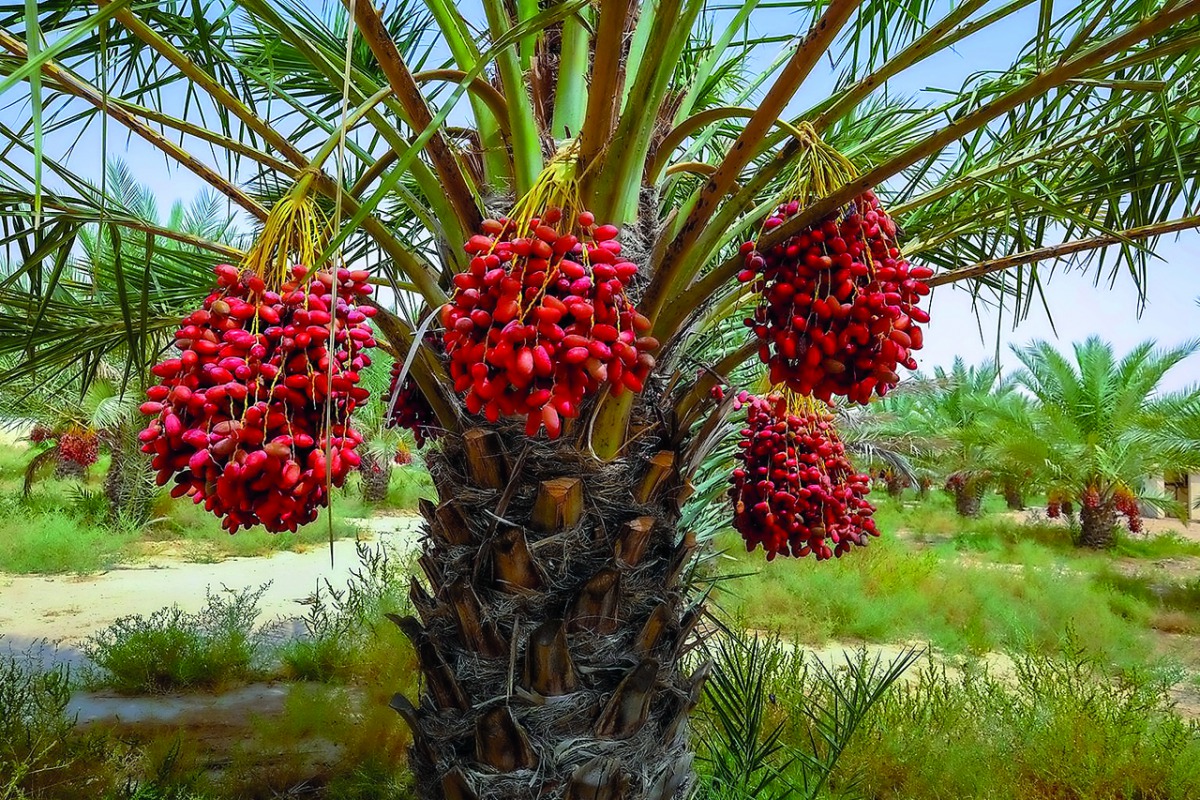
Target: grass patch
column 172, row 649
column 57, row 542
column 971, row 586
column 1165, row 545
column 1063, row 725
column 1053, row 726
column 200, row 536
column 61, row 527
column 347, row 636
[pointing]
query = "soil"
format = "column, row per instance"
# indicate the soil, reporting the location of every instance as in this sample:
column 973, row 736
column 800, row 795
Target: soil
column 1151, row 527
column 66, row 609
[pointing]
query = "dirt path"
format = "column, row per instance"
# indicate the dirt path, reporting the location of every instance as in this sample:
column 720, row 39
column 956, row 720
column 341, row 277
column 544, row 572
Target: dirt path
column 66, row 609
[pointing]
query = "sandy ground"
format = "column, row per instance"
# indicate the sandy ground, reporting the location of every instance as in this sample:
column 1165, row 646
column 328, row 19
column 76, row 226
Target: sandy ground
column 1152, row 527
column 66, row 609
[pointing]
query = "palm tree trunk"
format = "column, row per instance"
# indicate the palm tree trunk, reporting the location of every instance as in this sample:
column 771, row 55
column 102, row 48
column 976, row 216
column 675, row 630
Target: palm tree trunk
column 1013, row 498
column 968, row 497
column 552, row 624
column 1098, row 525
column 895, row 485
column 376, row 476
column 66, row 469
column 129, row 482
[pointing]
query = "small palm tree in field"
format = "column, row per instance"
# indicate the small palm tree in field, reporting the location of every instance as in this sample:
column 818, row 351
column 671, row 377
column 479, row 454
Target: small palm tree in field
column 952, row 418
column 554, row 620
column 1100, row 427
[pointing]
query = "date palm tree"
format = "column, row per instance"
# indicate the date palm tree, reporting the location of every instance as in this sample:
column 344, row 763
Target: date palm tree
column 951, row 421
column 1100, row 426
column 554, row 624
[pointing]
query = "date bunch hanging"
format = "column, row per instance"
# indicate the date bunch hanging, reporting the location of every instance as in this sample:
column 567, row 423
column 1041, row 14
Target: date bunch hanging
column 252, row 418
column 794, row 491
column 541, row 318
column 838, row 304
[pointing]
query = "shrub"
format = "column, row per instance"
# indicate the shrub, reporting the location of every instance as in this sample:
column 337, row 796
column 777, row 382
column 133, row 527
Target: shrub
column 1060, row 725
column 343, row 626
column 172, row 649
column 37, row 540
column 34, row 728
column 774, row 723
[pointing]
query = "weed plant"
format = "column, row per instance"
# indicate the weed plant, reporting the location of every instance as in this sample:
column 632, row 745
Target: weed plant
column 172, row 649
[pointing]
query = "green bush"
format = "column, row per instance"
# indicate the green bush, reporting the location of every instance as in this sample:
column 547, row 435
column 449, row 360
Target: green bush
column 34, row 540
column 172, row 649
column 774, row 723
column 976, row 585
column 343, row 626
column 34, row 729
column 1060, row 726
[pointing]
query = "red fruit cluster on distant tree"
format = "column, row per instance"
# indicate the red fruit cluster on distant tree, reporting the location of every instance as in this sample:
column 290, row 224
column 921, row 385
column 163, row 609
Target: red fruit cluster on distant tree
column 1055, row 505
column 540, row 320
column 41, row 433
column 240, row 415
column 1129, row 507
column 838, row 310
column 794, row 490
column 82, row 447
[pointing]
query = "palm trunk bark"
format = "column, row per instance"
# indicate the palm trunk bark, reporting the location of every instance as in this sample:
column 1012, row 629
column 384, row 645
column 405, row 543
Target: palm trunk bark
column 66, row 469
column 1013, row 497
column 552, row 624
column 968, row 497
column 376, row 474
column 129, row 482
column 1098, row 525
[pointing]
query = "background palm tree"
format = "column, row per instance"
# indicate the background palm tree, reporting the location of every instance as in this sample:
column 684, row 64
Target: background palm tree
column 952, row 422
column 1101, row 426
column 554, row 624
column 103, row 270
column 384, row 445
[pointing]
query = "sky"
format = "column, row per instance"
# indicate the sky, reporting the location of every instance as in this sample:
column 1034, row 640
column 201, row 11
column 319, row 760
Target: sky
column 1078, row 306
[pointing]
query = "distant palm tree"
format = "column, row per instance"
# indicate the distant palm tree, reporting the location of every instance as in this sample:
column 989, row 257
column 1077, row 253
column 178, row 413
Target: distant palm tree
column 952, row 419
column 108, row 267
column 888, row 437
column 384, row 445
column 1100, row 426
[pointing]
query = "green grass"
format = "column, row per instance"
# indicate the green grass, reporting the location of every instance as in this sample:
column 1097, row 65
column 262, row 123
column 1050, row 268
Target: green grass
column 57, row 542
column 62, row 526
column 1047, row 727
column 963, row 585
column 200, row 536
column 1062, row 726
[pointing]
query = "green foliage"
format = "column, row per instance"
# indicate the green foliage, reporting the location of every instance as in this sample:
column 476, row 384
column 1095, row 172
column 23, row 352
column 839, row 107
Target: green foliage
column 775, row 724
column 963, row 585
column 199, row 534
column 1056, row 725
column 173, row 649
column 343, row 626
column 34, row 729
column 39, row 539
column 1101, row 423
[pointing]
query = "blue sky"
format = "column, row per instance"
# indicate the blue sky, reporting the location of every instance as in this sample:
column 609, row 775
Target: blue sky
column 1079, row 308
